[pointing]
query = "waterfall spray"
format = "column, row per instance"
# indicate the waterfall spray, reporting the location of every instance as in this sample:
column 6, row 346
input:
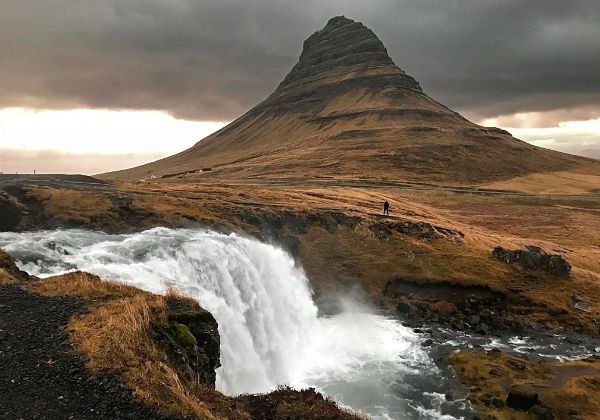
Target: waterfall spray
column 270, row 332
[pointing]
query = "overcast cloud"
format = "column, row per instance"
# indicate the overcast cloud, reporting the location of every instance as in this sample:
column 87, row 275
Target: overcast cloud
column 214, row 59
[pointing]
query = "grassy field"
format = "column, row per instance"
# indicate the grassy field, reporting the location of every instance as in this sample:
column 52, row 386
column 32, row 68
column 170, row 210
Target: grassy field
column 339, row 236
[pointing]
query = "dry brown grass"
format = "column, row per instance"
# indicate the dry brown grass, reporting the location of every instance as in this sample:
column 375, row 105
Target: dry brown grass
column 354, row 259
column 570, row 388
column 174, row 294
column 6, row 277
column 83, row 285
column 561, row 182
column 116, row 335
column 72, row 205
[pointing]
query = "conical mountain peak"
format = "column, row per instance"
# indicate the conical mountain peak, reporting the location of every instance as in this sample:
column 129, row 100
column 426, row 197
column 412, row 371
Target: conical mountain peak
column 347, row 110
column 341, row 39
column 344, row 46
column 343, row 57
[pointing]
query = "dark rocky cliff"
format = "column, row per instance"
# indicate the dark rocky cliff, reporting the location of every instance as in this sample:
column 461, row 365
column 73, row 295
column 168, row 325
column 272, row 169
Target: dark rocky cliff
column 191, row 340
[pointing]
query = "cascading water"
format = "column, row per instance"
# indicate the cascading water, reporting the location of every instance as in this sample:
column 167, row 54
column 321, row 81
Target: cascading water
column 270, row 332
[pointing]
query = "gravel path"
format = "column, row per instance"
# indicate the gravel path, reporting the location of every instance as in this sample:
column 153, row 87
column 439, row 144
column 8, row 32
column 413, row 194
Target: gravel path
column 41, row 377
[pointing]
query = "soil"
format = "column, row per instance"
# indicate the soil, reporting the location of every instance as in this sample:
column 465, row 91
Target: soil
column 42, row 377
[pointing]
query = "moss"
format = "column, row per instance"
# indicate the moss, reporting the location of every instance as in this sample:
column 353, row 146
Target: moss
column 184, row 336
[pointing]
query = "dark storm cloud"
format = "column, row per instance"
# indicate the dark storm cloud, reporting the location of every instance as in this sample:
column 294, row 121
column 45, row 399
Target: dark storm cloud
column 214, row 59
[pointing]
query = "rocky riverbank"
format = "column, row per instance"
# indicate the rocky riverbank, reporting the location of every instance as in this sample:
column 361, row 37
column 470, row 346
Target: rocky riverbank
column 504, row 386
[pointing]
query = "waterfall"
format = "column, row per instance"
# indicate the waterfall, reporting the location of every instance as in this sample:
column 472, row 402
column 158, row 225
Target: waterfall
column 270, row 332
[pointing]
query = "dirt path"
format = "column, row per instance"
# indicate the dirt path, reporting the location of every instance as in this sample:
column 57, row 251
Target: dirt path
column 41, row 377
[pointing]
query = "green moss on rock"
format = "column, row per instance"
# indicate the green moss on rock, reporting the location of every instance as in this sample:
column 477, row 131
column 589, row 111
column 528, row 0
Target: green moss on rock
column 184, row 336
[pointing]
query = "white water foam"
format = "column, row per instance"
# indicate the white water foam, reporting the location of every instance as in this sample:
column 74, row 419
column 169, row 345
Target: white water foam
column 270, row 332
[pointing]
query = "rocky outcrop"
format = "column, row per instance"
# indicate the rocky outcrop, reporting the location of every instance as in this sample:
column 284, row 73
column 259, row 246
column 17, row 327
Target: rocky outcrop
column 287, row 403
column 191, row 340
column 535, row 258
column 504, row 385
column 522, row 398
column 422, row 230
column 10, row 216
column 8, row 264
column 476, row 309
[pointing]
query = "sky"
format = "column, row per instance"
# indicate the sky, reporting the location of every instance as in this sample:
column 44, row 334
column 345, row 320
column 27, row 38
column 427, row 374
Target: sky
column 91, row 86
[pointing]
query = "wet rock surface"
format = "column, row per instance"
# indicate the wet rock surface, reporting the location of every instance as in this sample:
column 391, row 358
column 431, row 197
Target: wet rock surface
column 535, row 258
column 191, row 340
column 41, row 376
column 474, row 309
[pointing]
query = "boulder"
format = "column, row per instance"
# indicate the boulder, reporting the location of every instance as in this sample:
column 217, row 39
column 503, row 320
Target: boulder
column 580, row 304
column 542, row 413
column 522, row 398
column 535, row 258
column 403, row 308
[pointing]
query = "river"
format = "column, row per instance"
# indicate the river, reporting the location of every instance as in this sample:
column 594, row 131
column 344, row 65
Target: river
column 271, row 333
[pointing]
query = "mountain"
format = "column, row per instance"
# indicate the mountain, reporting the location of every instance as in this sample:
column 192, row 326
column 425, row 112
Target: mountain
column 346, row 110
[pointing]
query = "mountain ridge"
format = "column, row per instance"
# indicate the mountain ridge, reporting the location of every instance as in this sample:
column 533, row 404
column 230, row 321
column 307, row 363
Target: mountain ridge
column 347, row 110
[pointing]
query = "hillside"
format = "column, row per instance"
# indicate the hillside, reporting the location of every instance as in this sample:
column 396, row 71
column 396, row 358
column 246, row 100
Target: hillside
column 346, row 110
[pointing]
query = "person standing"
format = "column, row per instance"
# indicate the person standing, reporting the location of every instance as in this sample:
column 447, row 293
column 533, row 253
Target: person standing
column 386, row 208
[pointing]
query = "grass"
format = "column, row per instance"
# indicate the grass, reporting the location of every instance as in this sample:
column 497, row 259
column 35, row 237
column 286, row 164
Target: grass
column 72, row 205
column 568, row 389
column 83, row 285
column 117, row 335
column 6, row 277
column 352, row 258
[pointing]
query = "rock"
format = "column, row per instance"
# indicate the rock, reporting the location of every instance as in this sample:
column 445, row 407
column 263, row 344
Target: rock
column 497, row 402
column 380, row 230
column 541, row 412
column 580, row 304
column 483, row 329
column 296, row 222
column 457, row 324
column 521, row 398
column 191, row 340
column 456, row 394
column 403, row 308
column 8, row 264
column 292, row 244
column 535, row 258
column 342, row 43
